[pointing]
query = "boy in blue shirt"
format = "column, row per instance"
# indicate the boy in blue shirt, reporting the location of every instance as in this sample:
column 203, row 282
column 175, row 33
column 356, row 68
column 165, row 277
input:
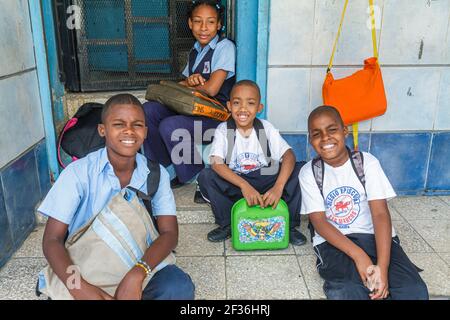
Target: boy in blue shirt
column 87, row 185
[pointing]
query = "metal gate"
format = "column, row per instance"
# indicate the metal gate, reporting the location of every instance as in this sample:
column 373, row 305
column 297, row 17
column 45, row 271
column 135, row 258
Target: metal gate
column 128, row 44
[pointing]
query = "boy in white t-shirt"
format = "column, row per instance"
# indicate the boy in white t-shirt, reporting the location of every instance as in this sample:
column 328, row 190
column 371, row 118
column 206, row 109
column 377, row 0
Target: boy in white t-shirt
column 359, row 255
column 240, row 158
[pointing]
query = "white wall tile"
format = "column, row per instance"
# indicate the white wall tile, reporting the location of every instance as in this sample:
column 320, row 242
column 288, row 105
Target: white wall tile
column 412, row 99
column 291, row 31
column 406, row 24
column 16, row 44
column 442, row 121
column 317, row 78
column 288, row 98
column 21, row 124
column 355, row 41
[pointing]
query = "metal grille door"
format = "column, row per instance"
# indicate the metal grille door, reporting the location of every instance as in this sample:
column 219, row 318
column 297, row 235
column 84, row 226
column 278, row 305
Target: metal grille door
column 128, row 44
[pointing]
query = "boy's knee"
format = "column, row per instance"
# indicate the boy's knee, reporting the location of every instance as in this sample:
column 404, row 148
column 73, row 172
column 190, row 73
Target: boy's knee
column 180, row 287
column 417, row 291
column 205, row 176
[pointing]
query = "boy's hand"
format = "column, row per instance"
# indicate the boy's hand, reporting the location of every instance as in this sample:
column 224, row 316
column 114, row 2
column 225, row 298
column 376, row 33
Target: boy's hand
column 130, row 288
column 252, row 196
column 88, row 291
column 377, row 282
column 272, row 197
column 363, row 262
column 195, row 80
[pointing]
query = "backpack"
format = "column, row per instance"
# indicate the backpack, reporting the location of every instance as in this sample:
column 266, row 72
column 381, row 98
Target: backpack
column 318, row 168
column 260, row 133
column 80, row 134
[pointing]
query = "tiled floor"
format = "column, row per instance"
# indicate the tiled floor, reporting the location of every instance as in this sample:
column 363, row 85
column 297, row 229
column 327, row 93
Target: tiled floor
column 220, row 272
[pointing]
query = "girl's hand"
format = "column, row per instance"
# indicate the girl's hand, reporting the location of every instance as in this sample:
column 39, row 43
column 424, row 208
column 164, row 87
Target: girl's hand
column 272, row 197
column 252, row 196
column 130, row 288
column 88, row 291
column 195, row 80
column 377, row 282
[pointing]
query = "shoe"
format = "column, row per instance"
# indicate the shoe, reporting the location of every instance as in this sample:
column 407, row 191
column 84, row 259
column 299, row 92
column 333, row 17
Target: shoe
column 220, row 234
column 175, row 183
column 198, row 197
column 296, row 237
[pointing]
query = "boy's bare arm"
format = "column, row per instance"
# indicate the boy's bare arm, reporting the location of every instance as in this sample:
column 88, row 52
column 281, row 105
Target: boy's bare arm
column 59, row 260
column 334, row 237
column 383, row 238
column 131, row 285
column 252, row 196
column 383, row 231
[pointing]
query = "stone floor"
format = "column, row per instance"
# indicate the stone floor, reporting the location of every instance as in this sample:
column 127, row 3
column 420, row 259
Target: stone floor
column 219, row 272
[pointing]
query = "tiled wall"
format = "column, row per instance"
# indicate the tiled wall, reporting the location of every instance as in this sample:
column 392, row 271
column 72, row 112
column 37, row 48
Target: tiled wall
column 21, row 124
column 23, row 183
column 412, row 140
column 24, row 172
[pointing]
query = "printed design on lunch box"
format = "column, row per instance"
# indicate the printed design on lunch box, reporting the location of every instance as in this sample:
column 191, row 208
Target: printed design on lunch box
column 267, row 230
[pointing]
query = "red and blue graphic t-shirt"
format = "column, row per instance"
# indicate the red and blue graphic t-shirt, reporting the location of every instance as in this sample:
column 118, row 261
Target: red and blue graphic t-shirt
column 344, row 201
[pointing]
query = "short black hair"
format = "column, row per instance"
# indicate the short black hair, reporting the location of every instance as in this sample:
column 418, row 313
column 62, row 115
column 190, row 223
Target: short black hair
column 216, row 5
column 325, row 109
column 249, row 83
column 121, row 98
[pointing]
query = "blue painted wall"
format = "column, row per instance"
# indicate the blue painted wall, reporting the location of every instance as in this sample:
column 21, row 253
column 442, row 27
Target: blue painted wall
column 24, row 170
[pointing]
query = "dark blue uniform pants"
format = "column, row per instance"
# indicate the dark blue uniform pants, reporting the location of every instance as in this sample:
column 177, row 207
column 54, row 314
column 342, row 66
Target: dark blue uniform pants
column 170, row 283
column 342, row 280
column 222, row 194
column 158, row 146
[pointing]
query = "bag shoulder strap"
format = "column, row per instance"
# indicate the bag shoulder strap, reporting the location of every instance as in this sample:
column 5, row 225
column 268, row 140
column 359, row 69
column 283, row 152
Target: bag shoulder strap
column 260, row 134
column 317, row 167
column 374, row 32
column 152, row 187
column 356, row 159
column 262, row 138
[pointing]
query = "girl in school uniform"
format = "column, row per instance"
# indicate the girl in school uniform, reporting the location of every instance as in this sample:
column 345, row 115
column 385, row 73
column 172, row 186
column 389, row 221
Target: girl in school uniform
column 211, row 68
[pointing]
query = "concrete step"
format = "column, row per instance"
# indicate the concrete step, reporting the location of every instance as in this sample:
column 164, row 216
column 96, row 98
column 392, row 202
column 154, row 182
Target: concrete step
column 187, row 210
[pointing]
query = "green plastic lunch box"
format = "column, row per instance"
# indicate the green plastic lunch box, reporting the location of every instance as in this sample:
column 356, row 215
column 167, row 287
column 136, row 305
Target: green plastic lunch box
column 254, row 228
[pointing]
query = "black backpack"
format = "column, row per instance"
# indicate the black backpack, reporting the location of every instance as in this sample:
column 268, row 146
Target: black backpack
column 260, row 133
column 318, row 168
column 80, row 134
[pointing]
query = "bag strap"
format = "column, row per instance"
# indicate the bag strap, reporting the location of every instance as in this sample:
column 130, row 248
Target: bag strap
column 260, row 134
column 375, row 53
column 152, row 187
column 262, row 138
column 330, row 64
column 374, row 33
column 356, row 159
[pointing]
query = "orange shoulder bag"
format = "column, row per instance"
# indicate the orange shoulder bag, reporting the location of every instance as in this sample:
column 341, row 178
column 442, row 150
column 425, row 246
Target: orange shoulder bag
column 361, row 95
